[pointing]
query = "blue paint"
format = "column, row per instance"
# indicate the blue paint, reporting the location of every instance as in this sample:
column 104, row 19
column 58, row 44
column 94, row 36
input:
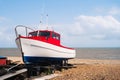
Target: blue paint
column 41, row 59
column 2, row 57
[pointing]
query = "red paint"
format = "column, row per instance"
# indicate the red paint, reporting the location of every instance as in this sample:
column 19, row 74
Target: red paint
column 2, row 61
column 53, row 38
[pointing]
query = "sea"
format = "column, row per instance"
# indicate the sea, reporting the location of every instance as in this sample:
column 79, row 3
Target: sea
column 81, row 53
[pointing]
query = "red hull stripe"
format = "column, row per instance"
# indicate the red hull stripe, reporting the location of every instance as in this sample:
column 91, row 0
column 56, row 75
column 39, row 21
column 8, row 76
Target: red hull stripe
column 46, row 42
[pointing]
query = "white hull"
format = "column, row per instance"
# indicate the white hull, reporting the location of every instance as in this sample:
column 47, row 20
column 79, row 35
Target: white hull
column 34, row 48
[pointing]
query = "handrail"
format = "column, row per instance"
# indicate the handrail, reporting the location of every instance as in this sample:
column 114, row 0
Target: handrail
column 26, row 30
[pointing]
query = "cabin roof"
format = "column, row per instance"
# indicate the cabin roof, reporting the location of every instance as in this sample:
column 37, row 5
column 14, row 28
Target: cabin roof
column 46, row 31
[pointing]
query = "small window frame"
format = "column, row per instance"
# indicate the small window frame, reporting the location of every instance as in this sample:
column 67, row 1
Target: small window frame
column 55, row 36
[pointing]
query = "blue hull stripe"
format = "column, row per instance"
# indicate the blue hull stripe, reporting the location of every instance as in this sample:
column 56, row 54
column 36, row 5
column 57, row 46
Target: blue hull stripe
column 41, row 59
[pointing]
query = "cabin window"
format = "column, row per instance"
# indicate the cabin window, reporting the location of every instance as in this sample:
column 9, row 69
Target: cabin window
column 33, row 34
column 55, row 36
column 46, row 34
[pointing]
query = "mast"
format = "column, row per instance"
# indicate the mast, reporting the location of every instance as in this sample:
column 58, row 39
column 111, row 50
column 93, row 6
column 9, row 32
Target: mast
column 47, row 21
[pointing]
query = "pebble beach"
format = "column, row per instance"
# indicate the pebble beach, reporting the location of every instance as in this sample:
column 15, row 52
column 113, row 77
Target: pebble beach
column 91, row 70
column 87, row 69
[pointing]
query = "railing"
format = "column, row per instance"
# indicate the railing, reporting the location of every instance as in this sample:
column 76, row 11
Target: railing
column 22, row 30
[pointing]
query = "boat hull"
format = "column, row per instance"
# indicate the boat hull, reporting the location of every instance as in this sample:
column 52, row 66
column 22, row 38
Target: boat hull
column 39, row 51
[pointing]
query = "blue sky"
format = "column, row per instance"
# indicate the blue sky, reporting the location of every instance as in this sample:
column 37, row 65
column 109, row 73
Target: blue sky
column 82, row 23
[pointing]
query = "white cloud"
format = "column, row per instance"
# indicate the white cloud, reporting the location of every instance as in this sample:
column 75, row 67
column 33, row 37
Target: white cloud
column 108, row 11
column 97, row 36
column 114, row 11
column 2, row 19
column 85, row 30
column 7, row 37
column 90, row 31
column 99, row 26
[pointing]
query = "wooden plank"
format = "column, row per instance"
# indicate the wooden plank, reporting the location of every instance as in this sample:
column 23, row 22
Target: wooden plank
column 9, row 75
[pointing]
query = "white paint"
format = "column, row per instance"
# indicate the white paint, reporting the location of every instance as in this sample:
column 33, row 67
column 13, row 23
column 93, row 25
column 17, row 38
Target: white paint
column 36, row 48
column 46, row 77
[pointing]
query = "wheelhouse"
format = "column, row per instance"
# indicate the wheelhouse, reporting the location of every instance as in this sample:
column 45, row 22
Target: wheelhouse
column 46, row 36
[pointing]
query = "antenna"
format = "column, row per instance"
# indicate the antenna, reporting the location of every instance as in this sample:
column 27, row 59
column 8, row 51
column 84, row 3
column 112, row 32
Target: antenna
column 47, row 21
column 41, row 20
column 42, row 15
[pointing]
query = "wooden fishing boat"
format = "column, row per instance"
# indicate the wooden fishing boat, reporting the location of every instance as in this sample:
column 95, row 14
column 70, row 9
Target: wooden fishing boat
column 42, row 46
